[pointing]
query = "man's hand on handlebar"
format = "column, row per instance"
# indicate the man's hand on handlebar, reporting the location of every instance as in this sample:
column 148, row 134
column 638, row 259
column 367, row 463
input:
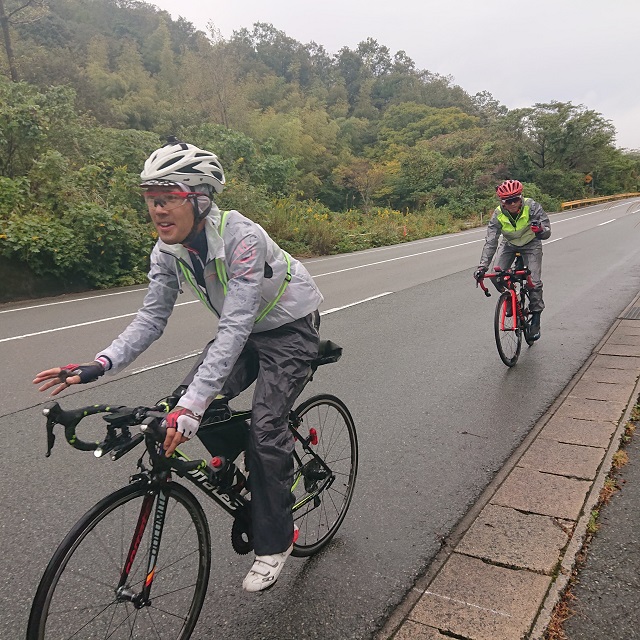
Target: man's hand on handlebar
column 478, row 274
column 70, row 374
column 182, row 424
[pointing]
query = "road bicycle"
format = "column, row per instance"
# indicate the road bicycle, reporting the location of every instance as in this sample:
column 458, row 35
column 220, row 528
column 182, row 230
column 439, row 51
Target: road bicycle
column 137, row 564
column 512, row 318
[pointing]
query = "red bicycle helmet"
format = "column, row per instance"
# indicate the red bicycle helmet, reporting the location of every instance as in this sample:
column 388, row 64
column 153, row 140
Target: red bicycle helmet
column 509, row 189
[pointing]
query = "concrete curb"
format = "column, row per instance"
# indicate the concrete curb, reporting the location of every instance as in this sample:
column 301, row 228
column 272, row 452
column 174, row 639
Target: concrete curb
column 505, row 566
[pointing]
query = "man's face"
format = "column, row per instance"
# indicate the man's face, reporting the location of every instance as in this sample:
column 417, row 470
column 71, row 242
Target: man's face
column 171, row 213
column 512, row 205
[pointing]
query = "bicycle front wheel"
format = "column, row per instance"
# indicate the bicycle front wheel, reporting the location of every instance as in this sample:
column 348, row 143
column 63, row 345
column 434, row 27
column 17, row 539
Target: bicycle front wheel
column 508, row 334
column 323, row 483
column 78, row 596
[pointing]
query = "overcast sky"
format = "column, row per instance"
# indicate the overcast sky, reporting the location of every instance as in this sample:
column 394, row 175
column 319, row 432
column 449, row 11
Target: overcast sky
column 523, row 52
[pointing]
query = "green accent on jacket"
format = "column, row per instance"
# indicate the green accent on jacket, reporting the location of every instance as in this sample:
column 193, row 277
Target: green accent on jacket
column 221, row 270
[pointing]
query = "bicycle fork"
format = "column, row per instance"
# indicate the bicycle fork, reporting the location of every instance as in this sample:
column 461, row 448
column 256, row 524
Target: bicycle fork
column 124, row 593
column 515, row 311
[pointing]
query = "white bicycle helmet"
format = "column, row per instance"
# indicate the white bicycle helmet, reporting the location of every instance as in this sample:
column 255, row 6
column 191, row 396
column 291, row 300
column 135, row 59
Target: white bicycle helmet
column 182, row 162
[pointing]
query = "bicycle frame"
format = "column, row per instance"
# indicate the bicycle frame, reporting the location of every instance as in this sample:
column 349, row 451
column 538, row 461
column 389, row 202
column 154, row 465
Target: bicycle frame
column 517, row 281
column 158, row 477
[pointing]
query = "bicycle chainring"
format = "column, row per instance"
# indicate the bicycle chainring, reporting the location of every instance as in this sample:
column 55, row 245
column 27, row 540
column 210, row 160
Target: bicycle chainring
column 241, row 536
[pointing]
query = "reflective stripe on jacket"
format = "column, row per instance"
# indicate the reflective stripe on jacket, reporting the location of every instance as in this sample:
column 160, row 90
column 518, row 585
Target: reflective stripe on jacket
column 223, row 278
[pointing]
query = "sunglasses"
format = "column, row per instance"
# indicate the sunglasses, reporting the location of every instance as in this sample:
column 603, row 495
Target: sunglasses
column 168, row 200
column 511, row 200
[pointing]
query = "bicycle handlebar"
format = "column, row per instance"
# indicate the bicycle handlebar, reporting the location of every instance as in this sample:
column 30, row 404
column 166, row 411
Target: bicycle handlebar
column 118, row 418
column 519, row 275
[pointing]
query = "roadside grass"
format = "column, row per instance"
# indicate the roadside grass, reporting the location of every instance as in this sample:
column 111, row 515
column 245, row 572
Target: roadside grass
column 564, row 608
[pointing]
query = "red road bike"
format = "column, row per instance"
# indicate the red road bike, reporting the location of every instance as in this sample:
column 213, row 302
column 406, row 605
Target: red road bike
column 512, row 319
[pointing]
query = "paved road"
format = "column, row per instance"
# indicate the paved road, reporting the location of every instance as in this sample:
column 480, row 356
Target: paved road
column 437, row 414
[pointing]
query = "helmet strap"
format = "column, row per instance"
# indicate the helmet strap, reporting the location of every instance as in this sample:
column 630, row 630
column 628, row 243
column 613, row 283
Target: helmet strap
column 198, row 217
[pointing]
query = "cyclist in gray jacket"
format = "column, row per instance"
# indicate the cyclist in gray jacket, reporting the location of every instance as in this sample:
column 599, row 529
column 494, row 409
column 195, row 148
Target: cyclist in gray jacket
column 523, row 224
column 267, row 308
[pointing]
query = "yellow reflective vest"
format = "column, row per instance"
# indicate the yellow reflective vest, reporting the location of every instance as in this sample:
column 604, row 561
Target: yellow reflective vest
column 520, row 233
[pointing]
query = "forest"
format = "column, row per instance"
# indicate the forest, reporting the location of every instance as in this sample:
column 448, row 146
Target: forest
column 329, row 152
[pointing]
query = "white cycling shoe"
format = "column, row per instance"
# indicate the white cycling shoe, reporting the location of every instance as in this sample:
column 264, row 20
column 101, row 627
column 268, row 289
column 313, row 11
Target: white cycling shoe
column 266, row 569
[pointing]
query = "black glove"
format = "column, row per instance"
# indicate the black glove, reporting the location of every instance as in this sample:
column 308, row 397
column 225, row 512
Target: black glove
column 88, row 372
column 478, row 274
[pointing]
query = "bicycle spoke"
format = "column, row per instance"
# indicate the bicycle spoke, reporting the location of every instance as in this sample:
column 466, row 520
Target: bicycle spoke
column 66, row 603
column 321, row 507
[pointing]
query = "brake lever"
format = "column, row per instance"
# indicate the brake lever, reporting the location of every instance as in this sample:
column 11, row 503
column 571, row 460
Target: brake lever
column 51, row 437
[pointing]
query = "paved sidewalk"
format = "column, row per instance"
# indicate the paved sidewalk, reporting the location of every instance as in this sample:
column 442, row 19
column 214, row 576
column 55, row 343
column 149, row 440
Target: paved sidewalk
column 507, row 563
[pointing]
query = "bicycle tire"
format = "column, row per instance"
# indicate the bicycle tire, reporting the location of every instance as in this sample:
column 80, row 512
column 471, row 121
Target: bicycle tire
column 320, row 517
column 80, row 579
column 526, row 306
column 509, row 340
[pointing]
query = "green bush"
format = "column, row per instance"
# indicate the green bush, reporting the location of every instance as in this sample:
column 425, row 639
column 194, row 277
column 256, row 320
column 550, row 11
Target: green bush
column 115, row 244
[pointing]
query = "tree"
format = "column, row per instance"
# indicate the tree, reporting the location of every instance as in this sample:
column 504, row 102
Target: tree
column 562, row 135
column 29, row 120
column 30, row 10
column 409, row 122
column 365, row 177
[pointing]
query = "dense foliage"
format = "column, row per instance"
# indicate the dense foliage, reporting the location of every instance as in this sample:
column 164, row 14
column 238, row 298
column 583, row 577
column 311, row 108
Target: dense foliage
column 329, row 152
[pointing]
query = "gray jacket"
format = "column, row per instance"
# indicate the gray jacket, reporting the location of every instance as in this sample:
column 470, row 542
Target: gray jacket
column 537, row 216
column 255, row 268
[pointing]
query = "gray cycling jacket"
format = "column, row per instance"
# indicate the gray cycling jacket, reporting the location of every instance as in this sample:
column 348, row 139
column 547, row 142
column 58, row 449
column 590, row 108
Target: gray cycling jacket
column 255, row 267
column 537, row 216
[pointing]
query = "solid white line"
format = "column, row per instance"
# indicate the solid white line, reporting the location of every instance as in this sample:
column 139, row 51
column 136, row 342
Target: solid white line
column 51, row 304
column 592, row 212
column 128, row 315
column 607, row 222
column 482, row 229
column 411, row 255
column 351, row 304
column 195, row 353
column 546, row 242
column 81, row 324
column 166, row 362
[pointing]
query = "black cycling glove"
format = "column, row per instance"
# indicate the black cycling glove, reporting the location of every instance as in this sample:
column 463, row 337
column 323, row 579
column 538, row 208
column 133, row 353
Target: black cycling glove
column 88, row 372
column 478, row 274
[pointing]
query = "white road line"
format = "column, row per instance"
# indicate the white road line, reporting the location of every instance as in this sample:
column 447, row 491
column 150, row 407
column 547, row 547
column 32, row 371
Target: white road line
column 546, row 242
column 351, row 304
column 624, row 204
column 128, row 315
column 80, row 324
column 394, row 246
column 607, row 222
column 164, row 363
column 411, row 255
column 51, row 304
column 186, row 356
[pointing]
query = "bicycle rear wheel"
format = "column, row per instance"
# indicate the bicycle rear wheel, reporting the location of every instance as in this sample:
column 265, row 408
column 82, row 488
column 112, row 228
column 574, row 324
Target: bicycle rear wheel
column 508, row 335
column 526, row 306
column 323, row 484
column 77, row 595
